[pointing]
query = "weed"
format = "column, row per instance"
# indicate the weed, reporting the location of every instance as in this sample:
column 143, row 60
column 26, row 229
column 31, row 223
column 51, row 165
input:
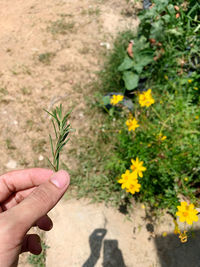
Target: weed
column 85, row 50
column 26, row 91
column 46, row 58
column 29, row 124
column 167, row 139
column 3, row 91
column 61, row 27
column 9, row 144
column 38, row 145
column 110, row 77
column 91, row 11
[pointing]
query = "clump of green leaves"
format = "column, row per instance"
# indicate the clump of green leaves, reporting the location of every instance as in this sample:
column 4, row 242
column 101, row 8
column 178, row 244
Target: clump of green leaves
column 46, row 58
column 61, row 130
column 166, row 43
column 166, row 59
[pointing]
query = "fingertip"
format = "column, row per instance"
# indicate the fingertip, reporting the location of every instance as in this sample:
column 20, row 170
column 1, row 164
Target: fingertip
column 60, row 179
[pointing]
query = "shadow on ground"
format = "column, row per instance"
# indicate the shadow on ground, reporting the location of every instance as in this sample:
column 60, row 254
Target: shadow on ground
column 173, row 253
column 112, row 255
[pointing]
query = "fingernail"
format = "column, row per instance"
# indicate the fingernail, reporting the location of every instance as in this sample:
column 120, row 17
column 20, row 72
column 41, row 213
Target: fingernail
column 60, row 179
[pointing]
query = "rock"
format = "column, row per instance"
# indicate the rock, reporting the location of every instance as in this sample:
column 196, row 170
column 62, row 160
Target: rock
column 40, row 158
column 12, row 164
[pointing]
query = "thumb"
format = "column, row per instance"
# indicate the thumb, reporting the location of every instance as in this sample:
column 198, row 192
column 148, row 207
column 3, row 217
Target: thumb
column 39, row 202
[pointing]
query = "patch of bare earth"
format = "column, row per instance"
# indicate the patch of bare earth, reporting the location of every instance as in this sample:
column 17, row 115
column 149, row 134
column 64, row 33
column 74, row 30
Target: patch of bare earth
column 49, row 51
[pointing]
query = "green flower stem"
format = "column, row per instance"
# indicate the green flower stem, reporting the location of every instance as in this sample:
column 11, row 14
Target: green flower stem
column 61, row 130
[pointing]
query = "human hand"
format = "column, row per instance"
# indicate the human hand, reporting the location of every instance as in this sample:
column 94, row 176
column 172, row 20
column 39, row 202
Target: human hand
column 26, row 196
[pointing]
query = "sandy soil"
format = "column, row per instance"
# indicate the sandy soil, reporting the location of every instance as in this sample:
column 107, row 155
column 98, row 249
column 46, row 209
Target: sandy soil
column 49, row 51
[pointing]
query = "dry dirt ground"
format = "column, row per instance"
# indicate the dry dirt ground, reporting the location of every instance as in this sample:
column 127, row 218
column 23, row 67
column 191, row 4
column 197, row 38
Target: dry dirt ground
column 49, row 51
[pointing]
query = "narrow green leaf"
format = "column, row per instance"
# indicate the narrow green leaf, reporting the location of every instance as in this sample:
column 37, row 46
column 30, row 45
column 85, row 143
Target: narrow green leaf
column 55, row 129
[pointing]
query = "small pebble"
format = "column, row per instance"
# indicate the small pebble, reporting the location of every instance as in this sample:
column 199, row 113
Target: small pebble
column 12, row 164
column 40, row 157
column 107, row 45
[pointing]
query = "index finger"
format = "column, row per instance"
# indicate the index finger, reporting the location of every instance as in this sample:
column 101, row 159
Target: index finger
column 22, row 179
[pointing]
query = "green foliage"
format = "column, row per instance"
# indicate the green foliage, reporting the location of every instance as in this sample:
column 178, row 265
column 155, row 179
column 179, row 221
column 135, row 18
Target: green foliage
column 165, row 55
column 61, row 27
column 167, row 42
column 111, row 78
column 168, row 161
column 61, row 130
column 46, row 58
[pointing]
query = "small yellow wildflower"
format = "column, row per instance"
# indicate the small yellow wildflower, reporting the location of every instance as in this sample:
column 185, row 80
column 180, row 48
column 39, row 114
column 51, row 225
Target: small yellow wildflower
column 132, row 124
column 143, row 206
column 195, row 88
column 186, row 179
column 189, row 81
column 161, row 102
column 133, row 187
column 126, row 178
column 149, row 145
column 137, row 167
column 146, row 99
column 116, row 99
column 164, row 234
column 161, row 137
column 187, row 213
column 166, row 77
column 197, row 117
column 183, row 237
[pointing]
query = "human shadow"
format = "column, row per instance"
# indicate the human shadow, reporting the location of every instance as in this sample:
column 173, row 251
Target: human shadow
column 112, row 255
column 173, row 253
column 95, row 241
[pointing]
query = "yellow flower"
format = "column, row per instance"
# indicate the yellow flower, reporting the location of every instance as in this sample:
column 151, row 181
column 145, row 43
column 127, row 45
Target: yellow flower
column 133, row 187
column 186, row 179
column 183, row 237
column 161, row 137
column 197, row 117
column 195, row 88
column 132, row 124
column 187, row 213
column 127, row 178
column 146, row 99
column 166, row 77
column 116, row 99
column 149, row 145
column 164, row 234
column 190, row 81
column 137, row 167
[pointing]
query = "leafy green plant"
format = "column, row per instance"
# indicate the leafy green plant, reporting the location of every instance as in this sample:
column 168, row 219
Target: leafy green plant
column 167, row 42
column 132, row 68
column 61, row 130
column 46, row 58
column 165, row 55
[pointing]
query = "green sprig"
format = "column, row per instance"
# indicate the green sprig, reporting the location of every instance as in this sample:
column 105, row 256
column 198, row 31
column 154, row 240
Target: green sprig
column 61, row 130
